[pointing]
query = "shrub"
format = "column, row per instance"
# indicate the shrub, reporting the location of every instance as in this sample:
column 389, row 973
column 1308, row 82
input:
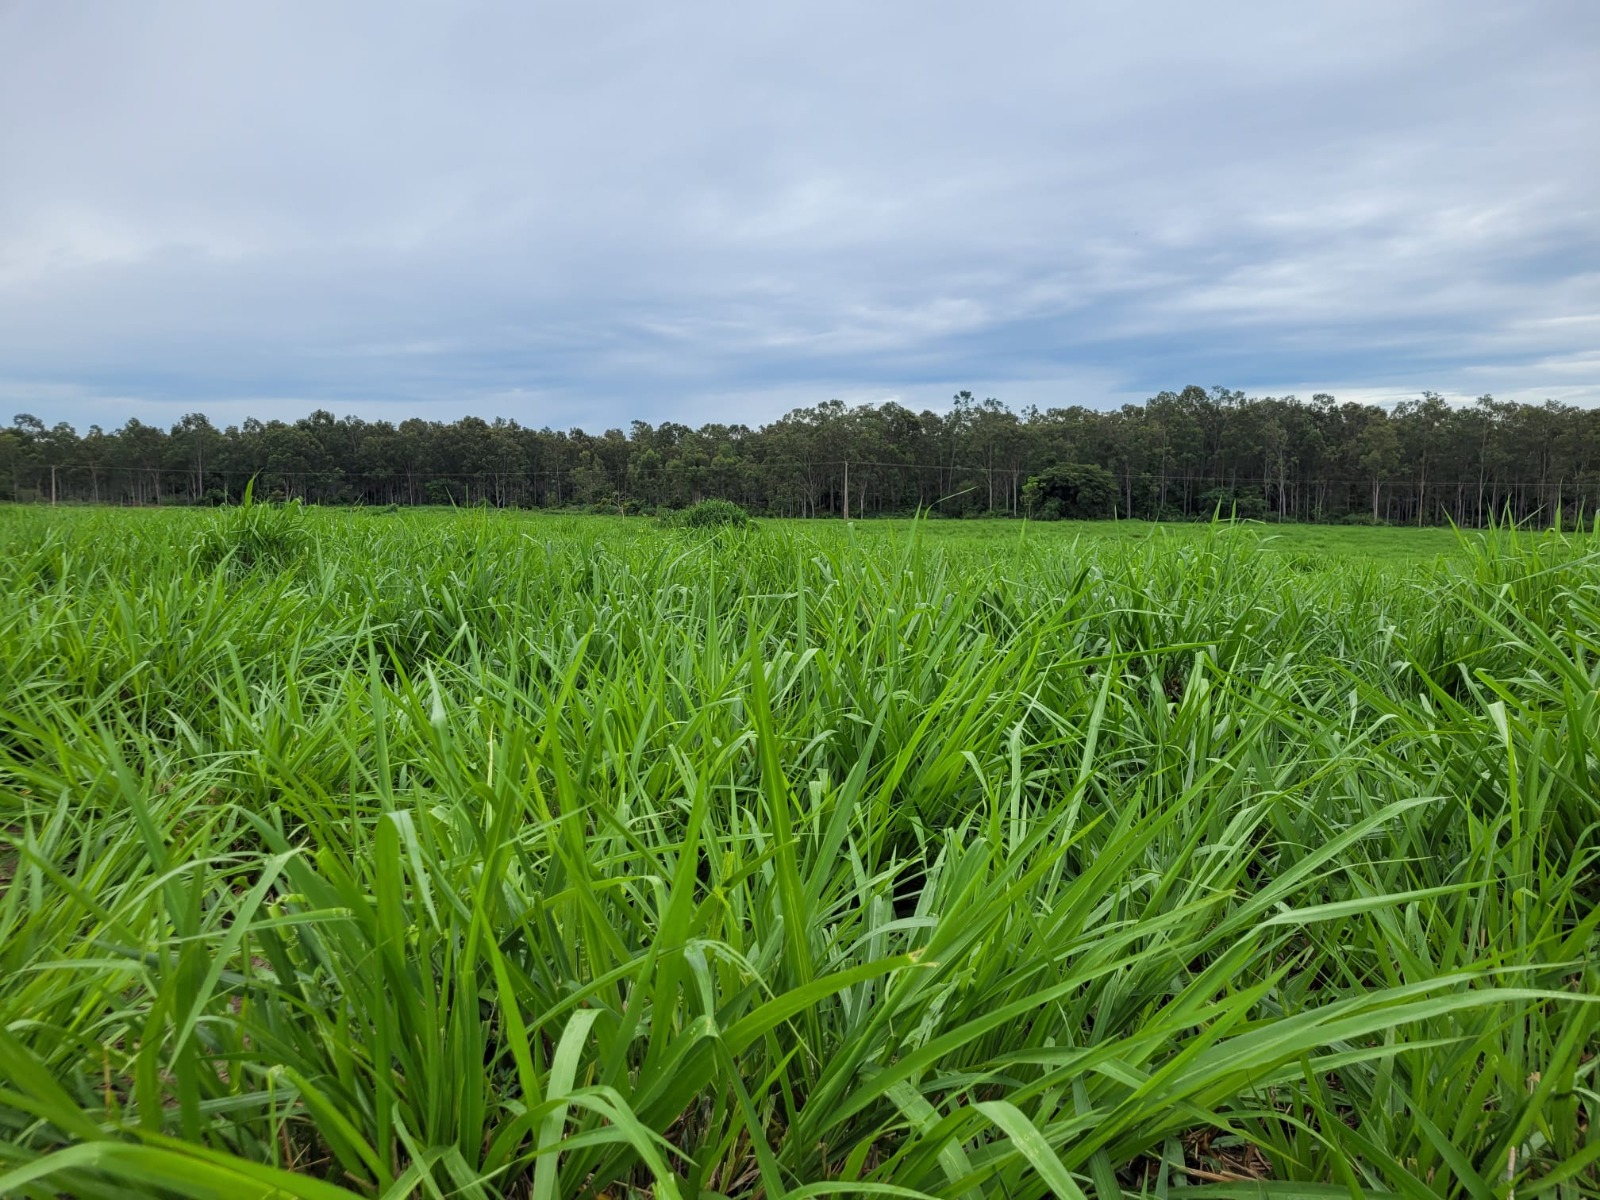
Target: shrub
column 1234, row 504
column 1077, row 491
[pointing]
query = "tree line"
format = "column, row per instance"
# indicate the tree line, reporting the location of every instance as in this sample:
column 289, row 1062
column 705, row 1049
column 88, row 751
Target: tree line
column 1179, row 455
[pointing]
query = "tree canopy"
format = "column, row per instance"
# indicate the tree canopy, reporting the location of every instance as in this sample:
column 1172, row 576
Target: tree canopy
column 1177, row 455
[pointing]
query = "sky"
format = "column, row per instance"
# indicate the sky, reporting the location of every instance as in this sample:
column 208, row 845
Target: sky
column 588, row 214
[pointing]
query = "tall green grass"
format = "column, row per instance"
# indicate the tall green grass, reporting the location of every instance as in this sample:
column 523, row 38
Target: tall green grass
column 477, row 856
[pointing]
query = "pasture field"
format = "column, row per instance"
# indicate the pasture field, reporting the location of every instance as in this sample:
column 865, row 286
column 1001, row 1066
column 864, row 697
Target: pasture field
column 494, row 855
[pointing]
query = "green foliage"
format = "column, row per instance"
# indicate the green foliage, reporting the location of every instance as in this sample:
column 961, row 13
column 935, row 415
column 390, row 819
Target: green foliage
column 272, row 536
column 710, row 514
column 494, row 856
column 1072, row 491
column 1240, row 503
column 1176, row 456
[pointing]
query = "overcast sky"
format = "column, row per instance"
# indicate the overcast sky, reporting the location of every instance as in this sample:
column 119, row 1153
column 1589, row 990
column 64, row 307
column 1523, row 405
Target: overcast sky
column 586, row 213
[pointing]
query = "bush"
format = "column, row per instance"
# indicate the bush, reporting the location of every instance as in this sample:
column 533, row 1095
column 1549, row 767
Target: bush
column 1076, row 491
column 710, row 514
column 1228, row 503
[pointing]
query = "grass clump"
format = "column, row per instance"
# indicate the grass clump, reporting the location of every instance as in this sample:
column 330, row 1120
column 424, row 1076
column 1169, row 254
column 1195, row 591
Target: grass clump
column 714, row 513
column 509, row 856
column 254, row 534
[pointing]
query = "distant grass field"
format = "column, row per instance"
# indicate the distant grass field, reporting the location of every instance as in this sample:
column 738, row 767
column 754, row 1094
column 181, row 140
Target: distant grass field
column 477, row 854
column 1382, row 544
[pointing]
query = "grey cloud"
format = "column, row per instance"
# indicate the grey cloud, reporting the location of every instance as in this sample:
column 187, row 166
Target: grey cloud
column 625, row 210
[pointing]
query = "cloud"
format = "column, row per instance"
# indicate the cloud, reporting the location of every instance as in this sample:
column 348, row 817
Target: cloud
column 620, row 210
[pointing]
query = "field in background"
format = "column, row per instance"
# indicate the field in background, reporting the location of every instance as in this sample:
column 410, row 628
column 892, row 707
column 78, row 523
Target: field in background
column 1381, row 544
column 1378, row 545
column 493, row 854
